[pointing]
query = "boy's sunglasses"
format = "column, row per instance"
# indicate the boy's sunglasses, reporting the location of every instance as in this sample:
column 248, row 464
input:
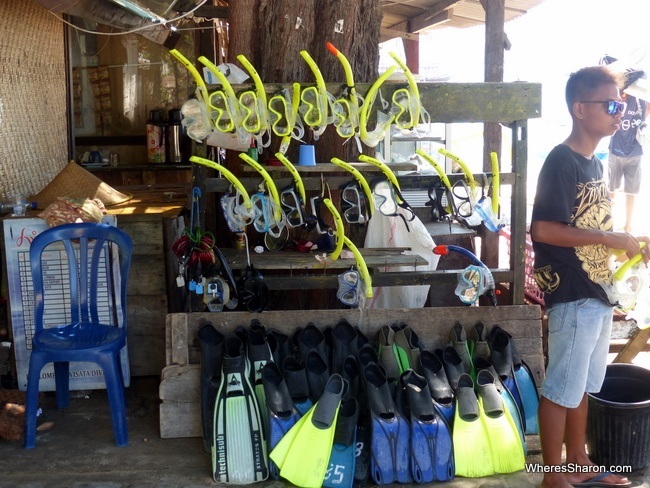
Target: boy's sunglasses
column 611, row 107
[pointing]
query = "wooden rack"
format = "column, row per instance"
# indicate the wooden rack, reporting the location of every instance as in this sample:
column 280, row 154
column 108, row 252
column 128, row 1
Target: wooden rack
column 510, row 104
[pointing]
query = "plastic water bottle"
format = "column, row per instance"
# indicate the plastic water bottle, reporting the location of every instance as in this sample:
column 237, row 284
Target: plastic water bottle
column 17, row 206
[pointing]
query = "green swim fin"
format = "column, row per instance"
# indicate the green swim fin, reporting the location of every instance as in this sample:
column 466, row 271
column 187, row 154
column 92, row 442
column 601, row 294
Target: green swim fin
column 303, row 453
column 472, row 451
column 505, row 441
column 239, row 448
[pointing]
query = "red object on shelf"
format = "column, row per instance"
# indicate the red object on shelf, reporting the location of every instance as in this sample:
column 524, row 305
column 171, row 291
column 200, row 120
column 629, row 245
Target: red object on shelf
column 531, row 289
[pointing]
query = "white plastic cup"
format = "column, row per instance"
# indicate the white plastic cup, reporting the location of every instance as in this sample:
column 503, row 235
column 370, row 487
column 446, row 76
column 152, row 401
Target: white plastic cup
column 307, row 155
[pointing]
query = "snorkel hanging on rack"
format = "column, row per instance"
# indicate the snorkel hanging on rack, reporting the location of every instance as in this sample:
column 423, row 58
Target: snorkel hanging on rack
column 269, row 216
column 407, row 106
column 384, row 118
column 473, row 281
column 294, row 204
column 254, row 107
column 284, row 117
column 238, row 215
column 449, row 201
column 341, row 239
column 316, row 101
column 228, row 118
column 488, row 208
column 346, row 107
column 196, row 117
column 387, row 196
column 356, row 201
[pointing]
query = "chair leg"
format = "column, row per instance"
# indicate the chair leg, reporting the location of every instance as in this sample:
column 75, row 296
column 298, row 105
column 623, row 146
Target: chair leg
column 62, row 382
column 115, row 390
column 36, row 364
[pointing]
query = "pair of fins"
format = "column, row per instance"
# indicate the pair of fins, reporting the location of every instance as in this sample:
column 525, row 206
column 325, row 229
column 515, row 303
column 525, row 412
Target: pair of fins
column 485, row 436
column 431, row 443
column 516, row 375
column 303, row 454
column 239, row 449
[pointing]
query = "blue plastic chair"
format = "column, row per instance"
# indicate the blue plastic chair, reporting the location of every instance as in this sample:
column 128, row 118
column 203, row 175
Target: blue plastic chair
column 84, row 338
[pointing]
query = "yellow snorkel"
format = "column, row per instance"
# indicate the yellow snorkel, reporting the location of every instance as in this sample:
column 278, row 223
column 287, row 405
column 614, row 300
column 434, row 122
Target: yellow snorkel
column 465, row 169
column 341, row 238
column 372, row 138
column 436, row 166
column 496, row 182
column 412, row 97
column 234, row 181
column 284, row 107
column 346, row 110
column 257, row 109
column 359, row 177
column 233, row 120
column 196, row 118
column 384, row 169
column 315, row 99
column 270, row 184
column 296, row 176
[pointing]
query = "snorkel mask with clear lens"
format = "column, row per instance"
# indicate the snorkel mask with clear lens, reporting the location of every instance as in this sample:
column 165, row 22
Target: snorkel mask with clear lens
column 236, row 214
column 473, row 282
column 348, row 290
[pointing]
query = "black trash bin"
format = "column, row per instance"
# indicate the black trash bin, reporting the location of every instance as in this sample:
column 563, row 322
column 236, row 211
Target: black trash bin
column 618, row 425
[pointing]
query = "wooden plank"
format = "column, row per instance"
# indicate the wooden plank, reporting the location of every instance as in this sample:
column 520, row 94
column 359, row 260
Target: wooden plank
column 180, row 337
column 180, row 383
column 431, row 324
column 293, row 260
column 454, row 102
column 634, row 346
column 147, row 275
column 180, row 419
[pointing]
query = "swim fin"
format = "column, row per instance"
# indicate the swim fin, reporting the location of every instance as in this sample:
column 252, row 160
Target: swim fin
column 389, row 451
column 211, row 343
column 458, row 340
column 441, row 392
column 296, row 378
column 432, row 451
column 472, row 451
column 304, row 452
column 281, row 410
column 529, row 395
column 340, row 473
column 407, row 348
column 259, row 353
column 505, row 442
column 239, row 448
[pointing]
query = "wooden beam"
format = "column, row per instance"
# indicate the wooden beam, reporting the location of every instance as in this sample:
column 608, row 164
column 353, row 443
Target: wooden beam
column 388, row 34
column 212, row 12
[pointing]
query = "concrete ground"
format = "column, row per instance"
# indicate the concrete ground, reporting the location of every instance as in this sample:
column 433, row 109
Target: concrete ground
column 75, row 449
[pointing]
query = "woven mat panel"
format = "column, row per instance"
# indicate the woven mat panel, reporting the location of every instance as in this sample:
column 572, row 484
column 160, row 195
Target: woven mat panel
column 33, row 129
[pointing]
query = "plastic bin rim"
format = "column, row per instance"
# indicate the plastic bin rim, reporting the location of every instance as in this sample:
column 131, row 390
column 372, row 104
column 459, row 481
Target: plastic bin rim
column 621, row 405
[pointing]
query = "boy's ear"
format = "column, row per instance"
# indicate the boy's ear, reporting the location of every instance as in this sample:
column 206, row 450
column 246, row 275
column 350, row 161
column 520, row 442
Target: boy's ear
column 577, row 109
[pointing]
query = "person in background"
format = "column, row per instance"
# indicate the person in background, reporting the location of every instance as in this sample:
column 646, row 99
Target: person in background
column 625, row 153
column 572, row 238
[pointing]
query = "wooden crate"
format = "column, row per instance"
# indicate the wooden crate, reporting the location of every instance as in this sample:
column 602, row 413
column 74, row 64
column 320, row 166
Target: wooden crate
column 179, row 387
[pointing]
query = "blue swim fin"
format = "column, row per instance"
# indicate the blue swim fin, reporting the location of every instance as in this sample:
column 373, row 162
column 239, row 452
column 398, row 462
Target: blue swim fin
column 529, row 396
column 340, row 473
column 389, row 452
column 432, row 452
column 282, row 413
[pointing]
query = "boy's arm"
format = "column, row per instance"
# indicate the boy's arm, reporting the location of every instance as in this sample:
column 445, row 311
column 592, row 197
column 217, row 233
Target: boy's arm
column 563, row 235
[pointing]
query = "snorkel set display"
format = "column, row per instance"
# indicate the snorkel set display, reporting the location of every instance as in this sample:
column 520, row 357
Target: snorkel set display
column 290, row 112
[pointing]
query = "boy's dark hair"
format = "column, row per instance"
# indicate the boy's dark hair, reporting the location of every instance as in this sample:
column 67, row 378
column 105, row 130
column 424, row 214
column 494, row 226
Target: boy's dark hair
column 585, row 81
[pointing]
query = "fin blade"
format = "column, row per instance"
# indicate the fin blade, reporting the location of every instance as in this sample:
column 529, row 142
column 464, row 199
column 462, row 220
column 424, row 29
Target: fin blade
column 472, row 451
column 529, row 397
column 505, row 442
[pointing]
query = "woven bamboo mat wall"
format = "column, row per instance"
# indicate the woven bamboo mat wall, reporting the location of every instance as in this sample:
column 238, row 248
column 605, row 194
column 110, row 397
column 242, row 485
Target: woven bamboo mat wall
column 33, row 130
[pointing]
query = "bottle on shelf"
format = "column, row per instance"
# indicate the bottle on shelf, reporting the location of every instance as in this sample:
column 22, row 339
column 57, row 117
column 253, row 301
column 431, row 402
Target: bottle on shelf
column 17, row 206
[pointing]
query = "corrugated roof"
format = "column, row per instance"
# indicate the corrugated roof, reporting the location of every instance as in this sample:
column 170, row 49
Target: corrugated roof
column 404, row 18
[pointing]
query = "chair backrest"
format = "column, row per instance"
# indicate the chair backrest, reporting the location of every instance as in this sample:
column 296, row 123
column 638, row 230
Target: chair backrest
column 78, row 263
